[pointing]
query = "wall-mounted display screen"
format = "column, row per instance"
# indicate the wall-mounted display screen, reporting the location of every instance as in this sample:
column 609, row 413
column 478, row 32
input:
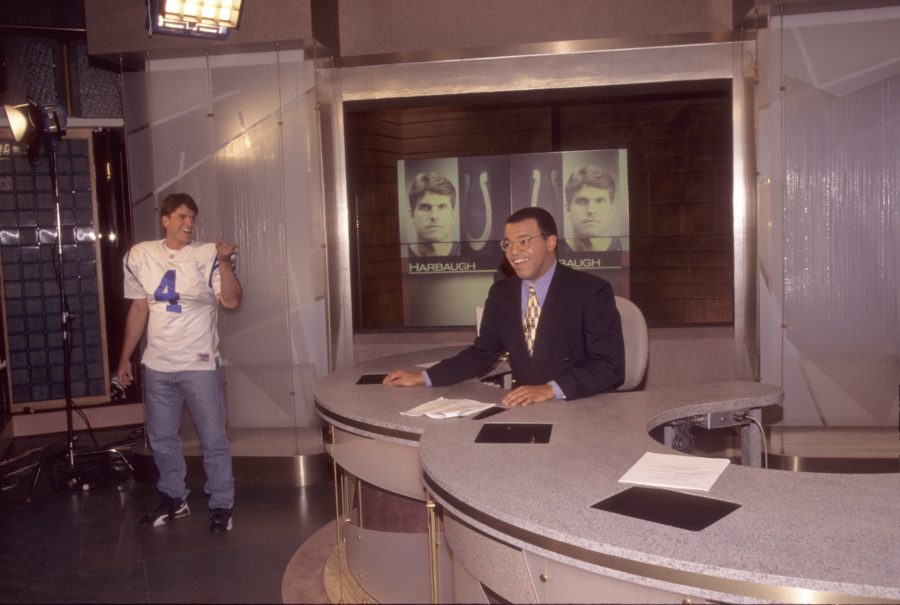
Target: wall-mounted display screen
column 452, row 212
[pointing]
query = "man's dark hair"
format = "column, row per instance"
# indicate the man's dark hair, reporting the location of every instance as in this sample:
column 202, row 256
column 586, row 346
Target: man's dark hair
column 174, row 201
column 591, row 176
column 430, row 182
column 544, row 219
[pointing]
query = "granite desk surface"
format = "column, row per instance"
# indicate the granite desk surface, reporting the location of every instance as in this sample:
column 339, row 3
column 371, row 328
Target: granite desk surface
column 836, row 534
column 374, row 410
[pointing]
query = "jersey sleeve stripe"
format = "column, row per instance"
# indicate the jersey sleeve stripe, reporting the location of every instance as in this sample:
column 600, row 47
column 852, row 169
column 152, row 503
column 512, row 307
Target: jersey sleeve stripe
column 128, row 267
column 215, row 267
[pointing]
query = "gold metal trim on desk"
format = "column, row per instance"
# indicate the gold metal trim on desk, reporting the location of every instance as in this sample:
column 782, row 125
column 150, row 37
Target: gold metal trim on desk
column 430, row 504
column 687, row 579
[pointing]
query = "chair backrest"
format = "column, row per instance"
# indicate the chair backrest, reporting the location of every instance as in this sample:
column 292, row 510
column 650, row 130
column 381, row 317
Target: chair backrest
column 637, row 343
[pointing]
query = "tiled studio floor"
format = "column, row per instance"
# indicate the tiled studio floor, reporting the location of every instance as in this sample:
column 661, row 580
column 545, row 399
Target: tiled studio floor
column 85, row 546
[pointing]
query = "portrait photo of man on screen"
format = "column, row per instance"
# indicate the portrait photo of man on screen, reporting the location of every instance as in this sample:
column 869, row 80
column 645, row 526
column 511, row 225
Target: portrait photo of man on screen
column 433, row 214
column 590, row 208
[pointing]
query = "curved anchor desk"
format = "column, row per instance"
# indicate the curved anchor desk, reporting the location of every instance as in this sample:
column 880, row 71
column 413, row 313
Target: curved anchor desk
column 517, row 518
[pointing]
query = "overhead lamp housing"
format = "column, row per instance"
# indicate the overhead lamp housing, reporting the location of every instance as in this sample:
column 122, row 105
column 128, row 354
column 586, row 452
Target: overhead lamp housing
column 34, row 124
column 195, row 18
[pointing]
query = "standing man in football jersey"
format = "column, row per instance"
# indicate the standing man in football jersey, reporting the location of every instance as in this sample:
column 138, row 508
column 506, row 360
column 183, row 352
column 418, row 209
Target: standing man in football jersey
column 177, row 284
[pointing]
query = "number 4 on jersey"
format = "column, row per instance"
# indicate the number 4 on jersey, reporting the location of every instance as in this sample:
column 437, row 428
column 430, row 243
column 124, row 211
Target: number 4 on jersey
column 166, row 292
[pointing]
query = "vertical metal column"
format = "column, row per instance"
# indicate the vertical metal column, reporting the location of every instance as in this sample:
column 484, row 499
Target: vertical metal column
column 431, row 505
column 751, row 440
column 668, row 435
column 341, row 514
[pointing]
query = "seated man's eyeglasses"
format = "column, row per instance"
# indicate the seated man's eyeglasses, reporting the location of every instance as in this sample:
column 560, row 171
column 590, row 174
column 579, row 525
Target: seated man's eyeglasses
column 523, row 243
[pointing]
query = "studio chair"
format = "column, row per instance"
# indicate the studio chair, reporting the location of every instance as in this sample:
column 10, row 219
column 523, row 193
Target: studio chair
column 637, row 343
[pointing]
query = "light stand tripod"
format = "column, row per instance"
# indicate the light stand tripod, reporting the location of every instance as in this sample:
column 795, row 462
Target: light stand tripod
column 43, row 126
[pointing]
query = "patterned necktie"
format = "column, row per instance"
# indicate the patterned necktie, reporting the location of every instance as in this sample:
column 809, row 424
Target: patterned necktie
column 532, row 315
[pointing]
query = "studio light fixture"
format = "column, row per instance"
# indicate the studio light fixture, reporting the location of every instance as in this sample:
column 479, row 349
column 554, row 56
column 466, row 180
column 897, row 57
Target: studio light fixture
column 197, row 18
column 33, row 124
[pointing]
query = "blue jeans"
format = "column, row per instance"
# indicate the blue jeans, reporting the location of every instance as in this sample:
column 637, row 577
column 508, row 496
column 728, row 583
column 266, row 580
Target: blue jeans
column 165, row 394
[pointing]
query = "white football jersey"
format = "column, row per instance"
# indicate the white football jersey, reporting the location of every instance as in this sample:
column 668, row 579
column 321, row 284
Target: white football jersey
column 181, row 288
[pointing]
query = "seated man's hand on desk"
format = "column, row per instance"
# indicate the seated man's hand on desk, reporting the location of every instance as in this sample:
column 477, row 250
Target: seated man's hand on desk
column 527, row 395
column 404, row 378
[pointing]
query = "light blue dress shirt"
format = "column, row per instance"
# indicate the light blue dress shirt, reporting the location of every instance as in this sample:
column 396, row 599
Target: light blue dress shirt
column 541, row 286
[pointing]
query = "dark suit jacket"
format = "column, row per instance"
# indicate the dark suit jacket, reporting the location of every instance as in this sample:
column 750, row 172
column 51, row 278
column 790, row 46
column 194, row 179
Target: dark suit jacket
column 578, row 343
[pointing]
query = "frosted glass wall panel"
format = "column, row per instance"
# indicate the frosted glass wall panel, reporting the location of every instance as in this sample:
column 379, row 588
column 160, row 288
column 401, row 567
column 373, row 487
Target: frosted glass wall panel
column 306, row 246
column 255, row 338
column 175, row 87
column 181, row 144
column 181, row 128
column 146, row 220
column 841, row 248
column 305, row 250
column 269, row 165
column 140, row 163
column 254, row 170
column 297, row 76
column 139, row 142
column 244, row 92
column 840, row 348
column 135, row 101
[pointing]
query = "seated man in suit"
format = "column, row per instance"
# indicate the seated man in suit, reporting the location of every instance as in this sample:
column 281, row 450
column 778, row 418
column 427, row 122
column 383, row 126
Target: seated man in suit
column 560, row 326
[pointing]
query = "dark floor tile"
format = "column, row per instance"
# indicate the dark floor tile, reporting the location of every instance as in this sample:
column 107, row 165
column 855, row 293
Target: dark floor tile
column 110, row 528
column 40, row 538
column 265, row 513
column 237, row 573
column 74, row 546
column 117, row 584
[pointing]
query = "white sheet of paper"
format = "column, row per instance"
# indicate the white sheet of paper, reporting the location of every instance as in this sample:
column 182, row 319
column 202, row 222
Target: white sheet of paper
column 448, row 408
column 677, row 472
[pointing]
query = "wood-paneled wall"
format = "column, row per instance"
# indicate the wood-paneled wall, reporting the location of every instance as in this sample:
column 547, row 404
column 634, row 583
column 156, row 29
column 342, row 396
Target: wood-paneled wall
column 374, row 143
column 680, row 199
column 680, row 188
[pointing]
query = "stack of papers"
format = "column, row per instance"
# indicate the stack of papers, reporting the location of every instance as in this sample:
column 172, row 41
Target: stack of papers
column 676, row 472
column 448, row 408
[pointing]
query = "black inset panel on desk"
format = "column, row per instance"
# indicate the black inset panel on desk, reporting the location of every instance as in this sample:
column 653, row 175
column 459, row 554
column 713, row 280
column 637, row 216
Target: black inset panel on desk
column 489, row 412
column 676, row 509
column 522, row 432
column 371, row 379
